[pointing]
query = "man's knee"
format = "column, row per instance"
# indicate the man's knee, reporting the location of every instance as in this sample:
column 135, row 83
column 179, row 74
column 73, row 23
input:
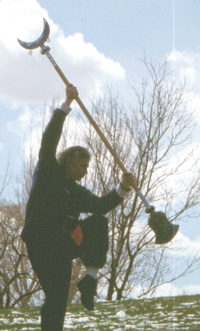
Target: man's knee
column 96, row 242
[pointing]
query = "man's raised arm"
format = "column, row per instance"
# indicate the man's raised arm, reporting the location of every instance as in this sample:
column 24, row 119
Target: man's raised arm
column 53, row 131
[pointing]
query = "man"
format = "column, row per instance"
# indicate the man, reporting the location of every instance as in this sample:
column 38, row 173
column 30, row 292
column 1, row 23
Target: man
column 52, row 232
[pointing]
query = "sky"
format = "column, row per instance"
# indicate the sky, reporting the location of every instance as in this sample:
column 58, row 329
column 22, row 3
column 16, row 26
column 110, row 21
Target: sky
column 96, row 44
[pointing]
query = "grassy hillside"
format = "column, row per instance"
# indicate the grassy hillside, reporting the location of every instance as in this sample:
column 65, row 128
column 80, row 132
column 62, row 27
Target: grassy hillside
column 163, row 314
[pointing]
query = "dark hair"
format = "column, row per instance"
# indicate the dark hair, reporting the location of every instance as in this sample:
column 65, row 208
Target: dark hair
column 72, row 154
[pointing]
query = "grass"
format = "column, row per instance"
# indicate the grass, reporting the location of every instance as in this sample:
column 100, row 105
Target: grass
column 161, row 314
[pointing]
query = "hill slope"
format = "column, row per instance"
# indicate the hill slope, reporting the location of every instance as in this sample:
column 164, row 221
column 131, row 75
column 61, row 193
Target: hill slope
column 163, row 314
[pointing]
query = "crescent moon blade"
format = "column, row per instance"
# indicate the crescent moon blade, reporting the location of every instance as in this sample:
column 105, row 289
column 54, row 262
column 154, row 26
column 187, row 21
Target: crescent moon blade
column 38, row 42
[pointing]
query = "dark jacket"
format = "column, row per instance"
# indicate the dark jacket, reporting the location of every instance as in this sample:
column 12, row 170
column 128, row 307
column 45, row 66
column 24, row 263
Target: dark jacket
column 55, row 201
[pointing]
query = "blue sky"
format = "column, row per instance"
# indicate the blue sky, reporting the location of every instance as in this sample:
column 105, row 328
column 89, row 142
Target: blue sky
column 96, row 43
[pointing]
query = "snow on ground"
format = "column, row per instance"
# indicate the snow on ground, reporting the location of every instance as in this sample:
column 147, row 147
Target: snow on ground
column 178, row 313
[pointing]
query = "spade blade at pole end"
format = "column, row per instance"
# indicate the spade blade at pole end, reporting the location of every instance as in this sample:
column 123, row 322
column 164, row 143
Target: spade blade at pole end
column 164, row 230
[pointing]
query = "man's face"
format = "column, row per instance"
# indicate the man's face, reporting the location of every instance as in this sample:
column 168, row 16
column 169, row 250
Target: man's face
column 78, row 169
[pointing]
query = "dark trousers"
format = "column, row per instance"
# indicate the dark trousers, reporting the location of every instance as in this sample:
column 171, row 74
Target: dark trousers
column 52, row 261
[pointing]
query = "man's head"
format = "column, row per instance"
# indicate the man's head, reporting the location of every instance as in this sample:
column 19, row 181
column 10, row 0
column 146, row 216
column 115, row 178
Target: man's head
column 74, row 161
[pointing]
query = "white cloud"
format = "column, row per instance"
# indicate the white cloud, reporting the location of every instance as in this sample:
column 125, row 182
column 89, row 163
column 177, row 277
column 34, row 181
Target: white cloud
column 168, row 289
column 32, row 78
column 19, row 17
column 173, row 290
column 186, row 65
column 21, row 125
column 193, row 98
column 188, row 159
column 183, row 246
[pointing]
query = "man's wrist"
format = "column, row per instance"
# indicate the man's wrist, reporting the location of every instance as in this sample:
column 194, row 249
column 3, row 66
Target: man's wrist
column 64, row 107
column 127, row 189
column 121, row 192
column 68, row 102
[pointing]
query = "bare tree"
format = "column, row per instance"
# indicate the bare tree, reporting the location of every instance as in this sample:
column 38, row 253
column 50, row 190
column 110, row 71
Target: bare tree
column 17, row 280
column 148, row 138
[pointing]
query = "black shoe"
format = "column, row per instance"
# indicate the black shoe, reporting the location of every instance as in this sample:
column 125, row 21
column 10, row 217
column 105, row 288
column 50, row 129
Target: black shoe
column 87, row 286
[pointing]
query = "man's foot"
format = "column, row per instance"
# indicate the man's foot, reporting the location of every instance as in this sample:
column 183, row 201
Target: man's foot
column 87, row 286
